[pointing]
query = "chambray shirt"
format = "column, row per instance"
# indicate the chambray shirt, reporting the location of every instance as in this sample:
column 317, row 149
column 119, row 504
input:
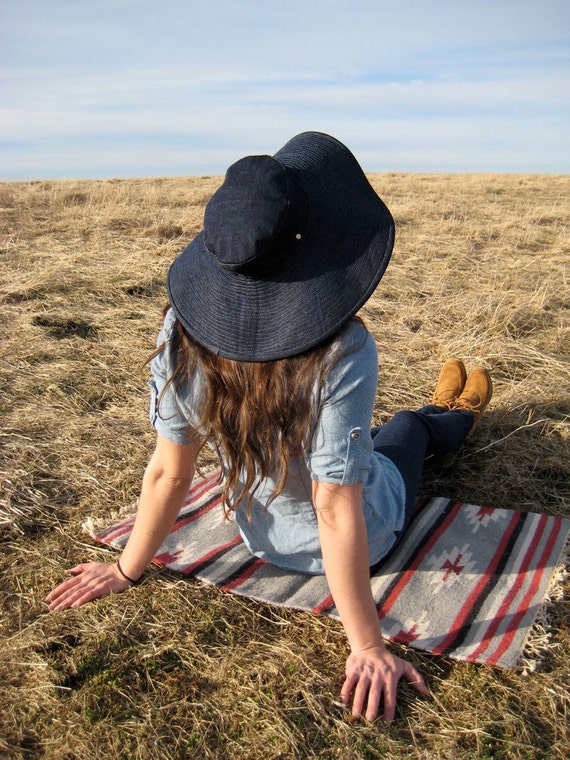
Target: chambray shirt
column 342, row 453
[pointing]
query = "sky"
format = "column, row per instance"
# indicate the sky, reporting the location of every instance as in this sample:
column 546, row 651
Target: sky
column 146, row 88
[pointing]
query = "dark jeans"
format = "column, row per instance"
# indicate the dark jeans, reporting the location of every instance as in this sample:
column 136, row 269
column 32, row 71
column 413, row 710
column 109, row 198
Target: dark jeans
column 409, row 437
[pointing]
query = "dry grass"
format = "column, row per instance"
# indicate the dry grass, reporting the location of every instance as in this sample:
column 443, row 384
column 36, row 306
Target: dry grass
column 174, row 669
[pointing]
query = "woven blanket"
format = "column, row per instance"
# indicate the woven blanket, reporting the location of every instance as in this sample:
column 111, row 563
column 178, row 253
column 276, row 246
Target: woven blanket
column 465, row 581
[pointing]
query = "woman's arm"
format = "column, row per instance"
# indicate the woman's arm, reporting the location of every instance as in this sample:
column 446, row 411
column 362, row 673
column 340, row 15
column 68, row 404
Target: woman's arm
column 165, row 484
column 371, row 670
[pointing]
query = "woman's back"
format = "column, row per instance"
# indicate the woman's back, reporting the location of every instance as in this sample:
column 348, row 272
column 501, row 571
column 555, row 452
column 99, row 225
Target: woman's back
column 279, row 523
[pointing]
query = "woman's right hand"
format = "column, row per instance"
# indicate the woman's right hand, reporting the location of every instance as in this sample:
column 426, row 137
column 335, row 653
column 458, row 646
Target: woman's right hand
column 372, row 677
column 90, row 581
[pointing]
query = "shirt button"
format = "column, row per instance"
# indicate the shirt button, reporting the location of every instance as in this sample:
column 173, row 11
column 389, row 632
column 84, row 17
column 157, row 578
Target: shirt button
column 355, row 435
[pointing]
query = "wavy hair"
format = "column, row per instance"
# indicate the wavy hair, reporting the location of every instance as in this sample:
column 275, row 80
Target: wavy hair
column 257, row 415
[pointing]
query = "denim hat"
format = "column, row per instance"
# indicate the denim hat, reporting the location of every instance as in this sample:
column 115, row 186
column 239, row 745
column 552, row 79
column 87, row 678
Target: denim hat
column 292, row 246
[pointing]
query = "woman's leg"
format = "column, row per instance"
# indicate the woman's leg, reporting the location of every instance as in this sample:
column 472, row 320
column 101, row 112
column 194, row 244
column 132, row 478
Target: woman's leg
column 409, row 437
column 436, row 429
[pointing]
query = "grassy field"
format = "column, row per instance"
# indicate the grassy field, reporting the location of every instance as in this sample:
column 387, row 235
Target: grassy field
column 173, row 669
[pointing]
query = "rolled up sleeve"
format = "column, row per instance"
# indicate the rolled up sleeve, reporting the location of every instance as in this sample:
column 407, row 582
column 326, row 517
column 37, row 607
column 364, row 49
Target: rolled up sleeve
column 170, row 409
column 342, row 445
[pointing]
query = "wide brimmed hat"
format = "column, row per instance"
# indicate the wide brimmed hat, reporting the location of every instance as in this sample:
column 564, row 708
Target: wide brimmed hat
column 292, row 246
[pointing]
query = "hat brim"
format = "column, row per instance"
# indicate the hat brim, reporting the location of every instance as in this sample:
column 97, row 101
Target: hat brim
column 307, row 298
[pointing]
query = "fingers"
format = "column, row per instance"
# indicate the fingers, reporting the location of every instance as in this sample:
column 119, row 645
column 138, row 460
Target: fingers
column 64, row 601
column 369, row 692
column 372, row 686
column 372, row 694
column 374, row 697
column 90, row 581
column 64, row 587
column 347, row 687
column 69, row 594
column 415, row 679
column 61, row 591
column 361, row 693
column 390, row 700
column 81, row 568
column 78, row 597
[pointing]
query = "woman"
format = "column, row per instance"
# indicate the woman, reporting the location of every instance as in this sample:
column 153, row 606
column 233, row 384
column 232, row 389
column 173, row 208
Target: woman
column 261, row 356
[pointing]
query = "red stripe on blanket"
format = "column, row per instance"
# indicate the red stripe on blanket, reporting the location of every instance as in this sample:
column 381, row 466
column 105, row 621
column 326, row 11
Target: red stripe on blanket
column 112, row 534
column 211, row 555
column 166, row 558
column 325, row 606
column 502, row 611
column 485, row 576
column 196, row 492
column 531, row 592
column 328, row 603
column 201, row 487
column 208, row 506
column 242, row 577
column 406, row 576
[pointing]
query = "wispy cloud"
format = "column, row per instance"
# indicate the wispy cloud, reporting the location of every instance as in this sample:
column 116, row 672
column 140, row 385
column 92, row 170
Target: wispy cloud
column 124, row 86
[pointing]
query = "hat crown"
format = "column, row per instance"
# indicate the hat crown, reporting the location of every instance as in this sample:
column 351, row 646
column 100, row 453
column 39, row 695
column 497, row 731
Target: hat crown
column 252, row 217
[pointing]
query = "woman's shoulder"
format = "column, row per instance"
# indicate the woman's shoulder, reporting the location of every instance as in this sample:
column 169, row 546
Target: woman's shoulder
column 353, row 338
column 167, row 326
column 165, row 359
column 353, row 360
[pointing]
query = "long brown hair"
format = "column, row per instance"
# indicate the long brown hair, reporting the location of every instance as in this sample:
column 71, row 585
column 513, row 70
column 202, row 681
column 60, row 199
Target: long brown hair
column 257, row 415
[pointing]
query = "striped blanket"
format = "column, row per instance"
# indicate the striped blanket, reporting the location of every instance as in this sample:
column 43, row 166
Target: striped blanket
column 466, row 581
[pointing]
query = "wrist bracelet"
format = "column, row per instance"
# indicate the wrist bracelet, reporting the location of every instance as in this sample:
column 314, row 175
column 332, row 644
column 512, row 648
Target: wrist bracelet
column 125, row 576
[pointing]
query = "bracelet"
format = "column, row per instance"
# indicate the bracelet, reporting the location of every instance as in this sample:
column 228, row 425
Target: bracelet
column 125, row 576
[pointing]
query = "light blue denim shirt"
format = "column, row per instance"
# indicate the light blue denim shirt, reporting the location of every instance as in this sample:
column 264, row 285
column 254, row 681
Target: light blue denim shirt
column 286, row 533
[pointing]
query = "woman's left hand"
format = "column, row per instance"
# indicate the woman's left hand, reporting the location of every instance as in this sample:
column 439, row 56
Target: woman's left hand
column 91, row 580
column 373, row 674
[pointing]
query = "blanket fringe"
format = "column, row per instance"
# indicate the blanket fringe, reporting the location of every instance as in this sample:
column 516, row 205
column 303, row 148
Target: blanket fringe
column 539, row 639
column 89, row 526
column 92, row 526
